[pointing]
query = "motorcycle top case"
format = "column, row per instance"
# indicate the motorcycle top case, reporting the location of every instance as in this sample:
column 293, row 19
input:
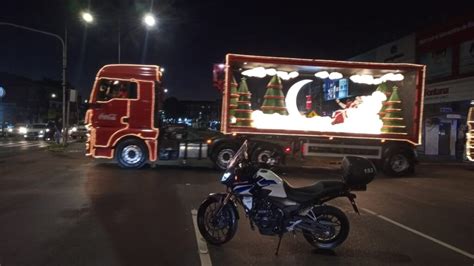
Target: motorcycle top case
column 357, row 172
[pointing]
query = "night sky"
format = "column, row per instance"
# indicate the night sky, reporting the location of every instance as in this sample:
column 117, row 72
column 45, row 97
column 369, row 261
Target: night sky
column 192, row 35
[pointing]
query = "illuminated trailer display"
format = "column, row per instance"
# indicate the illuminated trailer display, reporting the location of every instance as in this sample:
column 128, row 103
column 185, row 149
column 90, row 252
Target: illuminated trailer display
column 470, row 133
column 322, row 98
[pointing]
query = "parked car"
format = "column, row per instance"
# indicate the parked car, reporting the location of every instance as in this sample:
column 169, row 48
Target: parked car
column 20, row 129
column 36, row 131
column 7, row 130
column 78, row 131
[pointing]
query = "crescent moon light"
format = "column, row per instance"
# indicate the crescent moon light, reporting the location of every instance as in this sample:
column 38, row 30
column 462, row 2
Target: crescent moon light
column 291, row 96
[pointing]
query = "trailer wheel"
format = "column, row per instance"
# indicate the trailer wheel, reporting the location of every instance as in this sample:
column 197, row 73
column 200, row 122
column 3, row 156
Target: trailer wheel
column 399, row 163
column 223, row 154
column 131, row 153
column 263, row 153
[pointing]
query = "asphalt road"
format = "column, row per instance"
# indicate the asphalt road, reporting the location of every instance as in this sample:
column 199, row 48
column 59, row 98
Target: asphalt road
column 65, row 209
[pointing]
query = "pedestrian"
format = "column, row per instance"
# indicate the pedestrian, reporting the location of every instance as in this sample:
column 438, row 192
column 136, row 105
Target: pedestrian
column 57, row 135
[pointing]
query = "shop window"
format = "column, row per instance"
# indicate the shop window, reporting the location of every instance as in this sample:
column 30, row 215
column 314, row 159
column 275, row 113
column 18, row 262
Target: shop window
column 116, row 89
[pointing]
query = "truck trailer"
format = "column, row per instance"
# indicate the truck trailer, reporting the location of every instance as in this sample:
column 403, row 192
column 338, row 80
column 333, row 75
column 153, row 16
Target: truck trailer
column 296, row 108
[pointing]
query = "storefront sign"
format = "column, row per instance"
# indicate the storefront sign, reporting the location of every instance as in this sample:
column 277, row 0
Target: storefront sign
column 453, row 116
column 450, row 91
column 445, row 110
column 435, row 92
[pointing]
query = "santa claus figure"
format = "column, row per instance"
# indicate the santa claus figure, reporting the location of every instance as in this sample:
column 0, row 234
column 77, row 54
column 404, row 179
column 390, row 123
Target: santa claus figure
column 340, row 115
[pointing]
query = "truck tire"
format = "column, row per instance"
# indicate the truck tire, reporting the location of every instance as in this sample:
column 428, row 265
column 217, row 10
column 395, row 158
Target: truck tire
column 399, row 163
column 131, row 153
column 262, row 153
column 223, row 154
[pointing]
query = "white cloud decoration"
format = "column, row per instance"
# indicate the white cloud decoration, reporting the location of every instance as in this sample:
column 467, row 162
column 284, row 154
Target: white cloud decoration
column 261, row 72
column 369, row 79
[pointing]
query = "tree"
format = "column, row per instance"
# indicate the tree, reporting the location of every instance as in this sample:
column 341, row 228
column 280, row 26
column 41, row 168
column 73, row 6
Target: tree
column 234, row 97
column 383, row 88
column 274, row 99
column 244, row 110
column 393, row 119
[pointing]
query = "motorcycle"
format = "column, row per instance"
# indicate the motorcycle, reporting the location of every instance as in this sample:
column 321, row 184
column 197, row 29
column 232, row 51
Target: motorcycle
column 275, row 207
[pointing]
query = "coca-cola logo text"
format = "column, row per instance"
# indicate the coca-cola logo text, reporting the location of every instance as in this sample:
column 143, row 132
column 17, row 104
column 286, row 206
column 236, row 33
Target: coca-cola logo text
column 108, row 117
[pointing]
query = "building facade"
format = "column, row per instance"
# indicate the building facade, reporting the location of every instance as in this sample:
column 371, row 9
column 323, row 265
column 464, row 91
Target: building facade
column 448, row 52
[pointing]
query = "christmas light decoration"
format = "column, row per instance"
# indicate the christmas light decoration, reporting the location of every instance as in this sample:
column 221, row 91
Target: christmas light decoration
column 363, row 119
column 234, row 97
column 244, row 110
column 261, row 72
column 393, row 118
column 273, row 100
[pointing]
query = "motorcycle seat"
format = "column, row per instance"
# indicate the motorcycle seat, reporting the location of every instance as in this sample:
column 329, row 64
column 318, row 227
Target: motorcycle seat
column 317, row 190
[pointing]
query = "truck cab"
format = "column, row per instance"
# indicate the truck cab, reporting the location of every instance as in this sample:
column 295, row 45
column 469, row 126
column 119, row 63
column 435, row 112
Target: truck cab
column 123, row 121
column 121, row 114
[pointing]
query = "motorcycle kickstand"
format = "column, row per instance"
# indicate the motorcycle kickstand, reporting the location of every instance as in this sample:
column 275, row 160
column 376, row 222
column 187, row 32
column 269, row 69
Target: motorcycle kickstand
column 280, row 236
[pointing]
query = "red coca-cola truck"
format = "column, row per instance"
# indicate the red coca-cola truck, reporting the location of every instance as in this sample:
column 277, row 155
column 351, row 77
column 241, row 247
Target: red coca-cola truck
column 297, row 108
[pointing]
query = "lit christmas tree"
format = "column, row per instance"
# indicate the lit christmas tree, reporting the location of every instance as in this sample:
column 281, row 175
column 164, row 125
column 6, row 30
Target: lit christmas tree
column 274, row 99
column 234, row 97
column 244, row 110
column 393, row 119
column 383, row 88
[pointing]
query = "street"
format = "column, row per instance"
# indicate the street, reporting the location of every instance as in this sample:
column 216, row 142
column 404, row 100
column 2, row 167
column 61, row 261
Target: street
column 61, row 208
column 9, row 147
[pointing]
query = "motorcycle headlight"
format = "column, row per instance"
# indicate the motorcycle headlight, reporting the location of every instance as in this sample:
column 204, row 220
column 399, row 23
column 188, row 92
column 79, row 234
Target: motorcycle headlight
column 225, row 176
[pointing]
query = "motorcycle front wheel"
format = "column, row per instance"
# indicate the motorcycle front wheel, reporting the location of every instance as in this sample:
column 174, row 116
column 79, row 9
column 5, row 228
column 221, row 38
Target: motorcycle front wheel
column 335, row 224
column 216, row 228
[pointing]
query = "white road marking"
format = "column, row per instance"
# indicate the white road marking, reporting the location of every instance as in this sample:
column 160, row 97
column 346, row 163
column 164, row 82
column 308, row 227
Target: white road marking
column 202, row 246
column 439, row 242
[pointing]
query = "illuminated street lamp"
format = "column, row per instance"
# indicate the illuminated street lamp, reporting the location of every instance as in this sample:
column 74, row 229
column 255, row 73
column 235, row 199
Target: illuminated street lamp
column 87, row 17
column 149, row 20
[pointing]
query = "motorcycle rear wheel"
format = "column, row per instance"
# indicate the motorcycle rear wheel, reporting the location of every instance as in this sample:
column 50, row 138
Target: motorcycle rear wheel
column 217, row 230
column 338, row 228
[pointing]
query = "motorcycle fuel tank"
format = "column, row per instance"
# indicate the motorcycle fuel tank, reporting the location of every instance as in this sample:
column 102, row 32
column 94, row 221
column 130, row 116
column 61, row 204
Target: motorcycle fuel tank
column 271, row 181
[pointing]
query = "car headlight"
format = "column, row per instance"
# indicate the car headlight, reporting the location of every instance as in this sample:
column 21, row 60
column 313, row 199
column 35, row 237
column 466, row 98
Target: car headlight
column 225, row 176
column 10, row 130
column 41, row 131
column 22, row 130
column 47, row 130
column 74, row 129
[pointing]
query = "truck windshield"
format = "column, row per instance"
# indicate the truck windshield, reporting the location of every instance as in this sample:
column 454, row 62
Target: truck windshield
column 116, row 89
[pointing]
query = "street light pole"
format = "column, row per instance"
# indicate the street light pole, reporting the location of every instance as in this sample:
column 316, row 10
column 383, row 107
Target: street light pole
column 63, row 43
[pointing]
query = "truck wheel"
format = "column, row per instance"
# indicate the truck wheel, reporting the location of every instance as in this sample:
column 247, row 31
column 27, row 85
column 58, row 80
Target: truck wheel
column 263, row 153
column 131, row 153
column 399, row 164
column 223, row 155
